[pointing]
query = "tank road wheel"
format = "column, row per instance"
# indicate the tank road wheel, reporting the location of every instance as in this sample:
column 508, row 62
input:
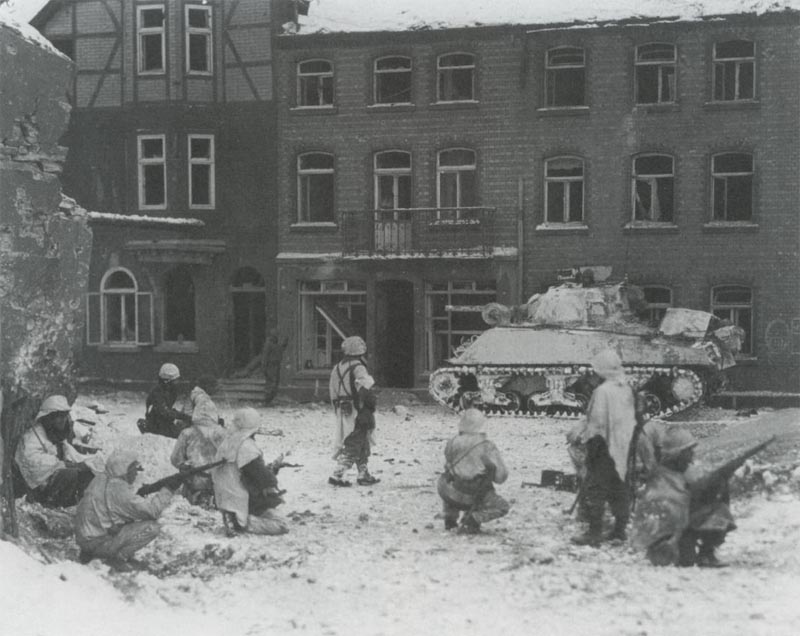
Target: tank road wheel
column 652, row 404
column 515, row 402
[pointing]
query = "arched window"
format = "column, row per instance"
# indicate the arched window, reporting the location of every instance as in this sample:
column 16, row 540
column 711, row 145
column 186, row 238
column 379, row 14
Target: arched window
column 392, row 180
column 653, row 188
column 315, row 83
column 563, row 177
column 565, row 77
column 119, row 314
column 456, row 179
column 735, row 303
column 393, row 80
column 655, row 73
column 315, row 188
column 456, row 77
column 179, row 306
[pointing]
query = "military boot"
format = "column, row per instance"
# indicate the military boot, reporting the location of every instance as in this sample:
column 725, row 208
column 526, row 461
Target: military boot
column 707, row 559
column 592, row 537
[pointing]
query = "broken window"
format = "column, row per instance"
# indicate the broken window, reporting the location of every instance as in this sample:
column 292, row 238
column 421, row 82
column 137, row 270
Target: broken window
column 152, row 171
column 653, row 188
column 735, row 304
column 119, row 314
column 329, row 311
column 732, row 176
column 179, row 306
column 315, row 188
column 453, row 316
column 565, row 75
column 393, row 80
column 201, row 171
column 457, row 183
column 315, row 83
column 150, row 31
column 658, row 299
column 456, row 73
column 564, row 190
column 734, row 70
column 198, row 39
column 655, row 73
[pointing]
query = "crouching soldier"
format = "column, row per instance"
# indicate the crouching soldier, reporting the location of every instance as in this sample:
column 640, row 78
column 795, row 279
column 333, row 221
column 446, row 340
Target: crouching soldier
column 112, row 521
column 472, row 466
column 55, row 473
column 245, row 488
column 161, row 416
column 683, row 514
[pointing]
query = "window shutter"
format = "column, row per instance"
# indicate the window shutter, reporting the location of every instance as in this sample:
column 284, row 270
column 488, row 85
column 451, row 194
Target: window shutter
column 94, row 334
column 144, row 318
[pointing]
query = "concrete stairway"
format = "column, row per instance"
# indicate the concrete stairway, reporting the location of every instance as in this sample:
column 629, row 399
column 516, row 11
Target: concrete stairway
column 239, row 390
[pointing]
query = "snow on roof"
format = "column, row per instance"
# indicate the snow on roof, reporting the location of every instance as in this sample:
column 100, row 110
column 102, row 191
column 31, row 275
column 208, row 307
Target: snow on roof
column 326, row 16
column 138, row 218
column 26, row 31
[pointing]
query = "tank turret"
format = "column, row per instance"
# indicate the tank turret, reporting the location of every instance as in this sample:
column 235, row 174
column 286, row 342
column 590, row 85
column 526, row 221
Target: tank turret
column 536, row 359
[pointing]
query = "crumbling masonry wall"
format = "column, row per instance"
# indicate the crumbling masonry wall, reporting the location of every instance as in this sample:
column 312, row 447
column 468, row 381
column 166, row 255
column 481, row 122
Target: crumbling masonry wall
column 45, row 242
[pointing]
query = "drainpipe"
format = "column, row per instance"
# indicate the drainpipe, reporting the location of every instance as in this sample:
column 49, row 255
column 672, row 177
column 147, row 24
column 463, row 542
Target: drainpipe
column 520, row 239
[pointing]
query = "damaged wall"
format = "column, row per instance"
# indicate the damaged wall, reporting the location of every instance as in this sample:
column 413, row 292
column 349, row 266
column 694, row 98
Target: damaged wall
column 45, row 242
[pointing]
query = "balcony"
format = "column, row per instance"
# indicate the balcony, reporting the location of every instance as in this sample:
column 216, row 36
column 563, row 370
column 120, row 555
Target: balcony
column 418, row 232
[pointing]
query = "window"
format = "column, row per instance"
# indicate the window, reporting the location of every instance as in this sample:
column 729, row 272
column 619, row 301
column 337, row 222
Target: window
column 734, row 70
column 393, row 80
column 198, row 39
column 658, row 300
column 315, row 83
column 119, row 314
column 179, row 308
column 315, row 188
column 735, row 303
column 152, row 171
column 453, row 316
column 732, row 176
column 564, row 190
column 456, row 176
column 653, row 188
column 655, row 73
column 565, row 77
column 392, row 180
column 329, row 310
column 201, row 171
column 150, row 30
column 456, row 81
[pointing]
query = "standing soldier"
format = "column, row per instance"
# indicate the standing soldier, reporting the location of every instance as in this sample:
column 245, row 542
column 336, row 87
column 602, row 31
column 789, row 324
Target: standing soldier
column 272, row 357
column 354, row 407
column 610, row 422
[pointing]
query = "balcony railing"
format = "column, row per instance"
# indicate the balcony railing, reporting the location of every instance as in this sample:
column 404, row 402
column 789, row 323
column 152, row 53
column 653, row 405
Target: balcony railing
column 418, row 232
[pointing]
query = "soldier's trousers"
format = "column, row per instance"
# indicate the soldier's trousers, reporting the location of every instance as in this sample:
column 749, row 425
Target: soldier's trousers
column 603, row 484
column 356, row 451
column 64, row 488
column 130, row 538
column 491, row 506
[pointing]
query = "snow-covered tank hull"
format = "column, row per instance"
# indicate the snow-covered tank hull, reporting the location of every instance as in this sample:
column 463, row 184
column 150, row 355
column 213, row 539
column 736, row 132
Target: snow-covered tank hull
column 545, row 369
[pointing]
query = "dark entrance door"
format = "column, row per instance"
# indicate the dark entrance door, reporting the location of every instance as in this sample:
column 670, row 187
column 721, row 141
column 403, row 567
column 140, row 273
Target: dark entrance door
column 248, row 297
column 395, row 333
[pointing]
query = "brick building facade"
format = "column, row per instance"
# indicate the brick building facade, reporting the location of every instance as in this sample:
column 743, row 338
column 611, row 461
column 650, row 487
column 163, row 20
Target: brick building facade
column 668, row 150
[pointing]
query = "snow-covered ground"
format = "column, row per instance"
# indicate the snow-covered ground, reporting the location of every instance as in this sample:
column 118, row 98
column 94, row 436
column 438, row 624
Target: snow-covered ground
column 376, row 560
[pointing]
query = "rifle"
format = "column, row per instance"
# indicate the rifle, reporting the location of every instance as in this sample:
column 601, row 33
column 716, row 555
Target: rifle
column 173, row 481
column 707, row 487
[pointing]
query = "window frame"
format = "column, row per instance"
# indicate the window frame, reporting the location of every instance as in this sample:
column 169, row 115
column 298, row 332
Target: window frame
column 635, row 178
column 143, row 31
column 97, row 313
column 732, row 311
column 208, row 32
column 182, row 270
column 440, row 77
column 142, row 162
column 308, row 173
column 567, row 191
column 726, row 176
column 550, row 71
column 459, row 170
column 396, row 174
column 718, row 62
column 377, row 74
column 321, row 78
column 657, row 310
column 662, row 65
column 210, row 162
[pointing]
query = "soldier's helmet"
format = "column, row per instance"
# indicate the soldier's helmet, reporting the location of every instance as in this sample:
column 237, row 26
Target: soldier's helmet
column 676, row 440
column 354, row 346
column 169, row 372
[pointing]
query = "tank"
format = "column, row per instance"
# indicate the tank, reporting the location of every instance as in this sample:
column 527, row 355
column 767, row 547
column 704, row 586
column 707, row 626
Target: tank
column 536, row 358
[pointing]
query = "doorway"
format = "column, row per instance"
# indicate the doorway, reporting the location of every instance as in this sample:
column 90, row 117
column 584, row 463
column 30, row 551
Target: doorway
column 248, row 298
column 394, row 301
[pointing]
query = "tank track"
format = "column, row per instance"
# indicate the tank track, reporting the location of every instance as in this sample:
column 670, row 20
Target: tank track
column 667, row 390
